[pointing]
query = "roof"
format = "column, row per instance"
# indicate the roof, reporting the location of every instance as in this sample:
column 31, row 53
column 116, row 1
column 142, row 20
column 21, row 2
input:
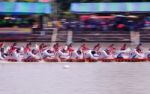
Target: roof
column 24, row 8
column 110, row 7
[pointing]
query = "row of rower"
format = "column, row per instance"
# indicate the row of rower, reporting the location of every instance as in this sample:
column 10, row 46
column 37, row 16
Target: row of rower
column 60, row 53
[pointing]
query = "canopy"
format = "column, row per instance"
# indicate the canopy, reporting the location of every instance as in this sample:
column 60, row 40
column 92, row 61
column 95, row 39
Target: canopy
column 24, row 8
column 110, row 7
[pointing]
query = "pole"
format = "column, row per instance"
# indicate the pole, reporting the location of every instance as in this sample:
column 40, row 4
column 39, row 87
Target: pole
column 69, row 37
column 135, row 37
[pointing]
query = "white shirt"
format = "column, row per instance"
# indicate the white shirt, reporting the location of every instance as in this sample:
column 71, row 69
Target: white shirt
column 47, row 54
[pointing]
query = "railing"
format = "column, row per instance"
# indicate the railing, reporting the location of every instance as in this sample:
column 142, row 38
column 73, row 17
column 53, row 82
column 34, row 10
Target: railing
column 81, row 36
column 98, row 36
column 145, row 36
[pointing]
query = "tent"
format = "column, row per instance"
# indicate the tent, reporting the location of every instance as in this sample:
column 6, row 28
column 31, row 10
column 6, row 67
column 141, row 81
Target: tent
column 110, row 7
column 24, row 8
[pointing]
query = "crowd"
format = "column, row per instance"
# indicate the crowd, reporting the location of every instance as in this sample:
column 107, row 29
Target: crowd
column 59, row 53
column 118, row 23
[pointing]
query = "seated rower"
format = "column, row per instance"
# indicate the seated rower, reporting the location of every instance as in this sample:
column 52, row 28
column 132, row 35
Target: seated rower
column 63, row 55
column 32, row 55
column 47, row 54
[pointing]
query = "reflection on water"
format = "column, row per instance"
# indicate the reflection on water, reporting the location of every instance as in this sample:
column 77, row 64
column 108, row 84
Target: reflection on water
column 79, row 78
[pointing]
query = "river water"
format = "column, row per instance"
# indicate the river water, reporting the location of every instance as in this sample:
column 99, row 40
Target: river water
column 79, row 78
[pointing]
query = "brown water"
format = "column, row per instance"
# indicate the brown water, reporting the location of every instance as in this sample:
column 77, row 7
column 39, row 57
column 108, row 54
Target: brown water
column 79, row 78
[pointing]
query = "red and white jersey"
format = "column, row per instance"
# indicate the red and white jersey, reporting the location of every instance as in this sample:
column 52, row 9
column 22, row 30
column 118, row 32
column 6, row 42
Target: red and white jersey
column 15, row 56
column 64, row 55
column 75, row 55
column 42, row 47
column 45, row 53
column 56, row 47
column 120, row 54
column 103, row 54
column 139, row 55
column 147, row 54
column 84, row 48
column 11, row 50
column 1, row 57
column 27, row 49
column 80, row 56
column 134, row 54
column 87, row 54
column 6, row 50
column 97, row 47
column 92, row 55
column 31, row 55
column 1, row 45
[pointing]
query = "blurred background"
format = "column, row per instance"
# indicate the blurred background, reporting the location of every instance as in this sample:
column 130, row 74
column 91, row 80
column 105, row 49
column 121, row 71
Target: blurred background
column 75, row 21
